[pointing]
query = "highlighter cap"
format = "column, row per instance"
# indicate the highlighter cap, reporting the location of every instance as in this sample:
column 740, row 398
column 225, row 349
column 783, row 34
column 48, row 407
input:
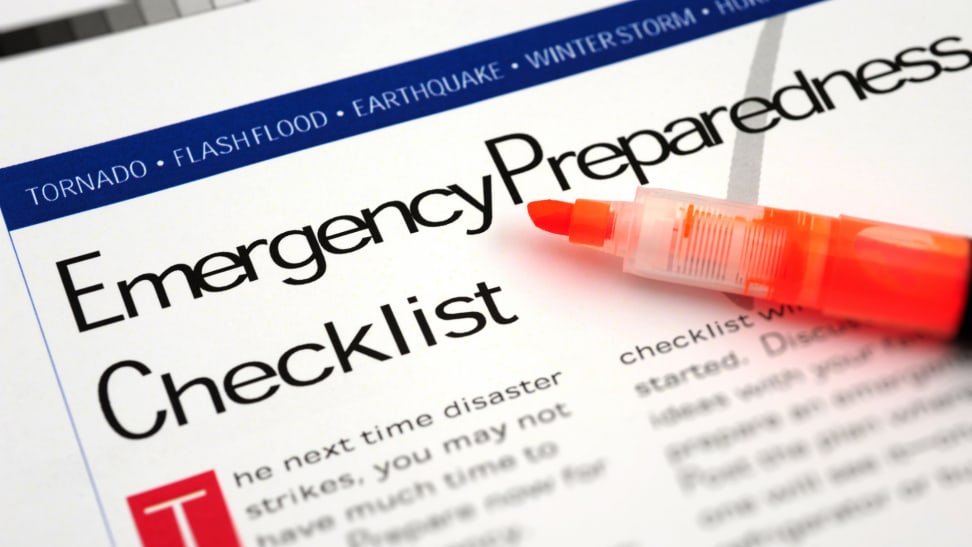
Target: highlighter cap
column 704, row 242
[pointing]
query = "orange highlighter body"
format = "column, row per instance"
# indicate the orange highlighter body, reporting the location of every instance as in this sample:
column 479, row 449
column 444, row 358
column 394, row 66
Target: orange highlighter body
column 879, row 273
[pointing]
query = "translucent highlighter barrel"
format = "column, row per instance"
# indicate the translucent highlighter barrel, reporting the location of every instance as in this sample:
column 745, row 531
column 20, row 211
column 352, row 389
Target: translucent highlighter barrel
column 871, row 271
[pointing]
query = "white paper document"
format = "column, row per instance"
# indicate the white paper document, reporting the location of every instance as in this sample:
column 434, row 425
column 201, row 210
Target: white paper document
column 270, row 279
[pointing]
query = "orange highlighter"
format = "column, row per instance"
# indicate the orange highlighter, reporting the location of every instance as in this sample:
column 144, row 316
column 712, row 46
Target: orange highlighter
column 906, row 278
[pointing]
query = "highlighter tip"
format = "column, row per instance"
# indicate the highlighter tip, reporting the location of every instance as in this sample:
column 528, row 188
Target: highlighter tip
column 551, row 215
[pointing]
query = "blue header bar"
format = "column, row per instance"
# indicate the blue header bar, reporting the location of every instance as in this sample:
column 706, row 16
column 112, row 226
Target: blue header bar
column 129, row 167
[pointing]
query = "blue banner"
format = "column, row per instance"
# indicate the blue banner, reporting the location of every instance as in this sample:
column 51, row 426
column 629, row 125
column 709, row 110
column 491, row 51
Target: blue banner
column 129, row 167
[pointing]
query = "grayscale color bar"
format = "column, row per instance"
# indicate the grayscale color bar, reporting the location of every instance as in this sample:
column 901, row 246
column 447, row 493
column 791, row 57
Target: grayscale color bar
column 124, row 17
column 89, row 25
column 156, row 11
column 191, row 7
